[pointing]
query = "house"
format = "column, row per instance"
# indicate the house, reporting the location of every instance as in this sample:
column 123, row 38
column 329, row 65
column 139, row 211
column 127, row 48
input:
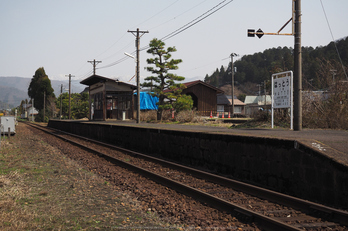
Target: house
column 109, row 98
column 204, row 96
column 256, row 103
column 224, row 105
column 29, row 112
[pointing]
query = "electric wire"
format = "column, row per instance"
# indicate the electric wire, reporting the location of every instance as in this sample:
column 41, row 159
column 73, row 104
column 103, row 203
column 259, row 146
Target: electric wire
column 177, row 16
column 87, row 74
column 178, row 31
column 333, row 39
column 204, row 65
column 196, row 20
column 117, row 52
column 156, row 14
column 111, row 47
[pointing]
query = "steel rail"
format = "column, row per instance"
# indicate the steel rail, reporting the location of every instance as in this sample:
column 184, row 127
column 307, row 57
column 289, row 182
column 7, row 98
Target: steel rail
column 332, row 214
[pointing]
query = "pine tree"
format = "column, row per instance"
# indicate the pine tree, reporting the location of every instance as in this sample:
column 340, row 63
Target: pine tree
column 163, row 84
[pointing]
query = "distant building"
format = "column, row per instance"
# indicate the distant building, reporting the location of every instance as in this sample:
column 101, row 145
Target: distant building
column 29, row 112
column 256, row 103
column 204, row 96
column 224, row 105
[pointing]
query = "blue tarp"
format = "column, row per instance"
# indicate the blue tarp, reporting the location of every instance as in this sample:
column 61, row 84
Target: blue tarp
column 147, row 102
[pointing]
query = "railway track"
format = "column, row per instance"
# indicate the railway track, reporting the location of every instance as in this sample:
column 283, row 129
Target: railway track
column 268, row 209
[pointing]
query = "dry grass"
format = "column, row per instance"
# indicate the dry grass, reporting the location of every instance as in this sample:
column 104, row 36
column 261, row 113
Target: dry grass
column 40, row 189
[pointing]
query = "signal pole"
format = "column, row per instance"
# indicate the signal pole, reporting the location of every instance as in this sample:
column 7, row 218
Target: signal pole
column 94, row 63
column 70, row 94
column 297, row 68
column 137, row 43
column 296, row 32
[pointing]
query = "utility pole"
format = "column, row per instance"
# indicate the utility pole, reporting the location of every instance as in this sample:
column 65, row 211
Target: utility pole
column 70, row 94
column 297, row 68
column 94, row 63
column 61, row 96
column 44, row 106
column 137, row 44
column 32, row 110
column 264, row 90
column 232, row 84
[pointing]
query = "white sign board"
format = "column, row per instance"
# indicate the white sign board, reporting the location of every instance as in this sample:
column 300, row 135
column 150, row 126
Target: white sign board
column 282, row 93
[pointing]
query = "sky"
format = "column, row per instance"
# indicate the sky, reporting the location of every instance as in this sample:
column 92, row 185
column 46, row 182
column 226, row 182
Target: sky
column 63, row 35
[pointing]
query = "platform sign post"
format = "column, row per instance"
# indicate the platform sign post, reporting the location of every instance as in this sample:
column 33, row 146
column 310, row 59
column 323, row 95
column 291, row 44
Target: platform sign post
column 282, row 93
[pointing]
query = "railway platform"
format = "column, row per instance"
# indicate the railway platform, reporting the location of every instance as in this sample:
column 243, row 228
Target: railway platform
column 332, row 143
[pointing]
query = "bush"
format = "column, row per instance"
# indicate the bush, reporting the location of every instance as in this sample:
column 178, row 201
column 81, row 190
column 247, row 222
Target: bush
column 330, row 111
column 185, row 116
column 148, row 116
column 40, row 117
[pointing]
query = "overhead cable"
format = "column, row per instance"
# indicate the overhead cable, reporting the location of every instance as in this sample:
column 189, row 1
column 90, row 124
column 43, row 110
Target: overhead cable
column 180, row 30
column 196, row 20
column 333, row 39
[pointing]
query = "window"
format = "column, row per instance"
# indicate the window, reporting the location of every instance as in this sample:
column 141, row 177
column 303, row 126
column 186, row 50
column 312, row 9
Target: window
column 109, row 104
column 220, row 108
column 114, row 103
column 237, row 109
column 98, row 101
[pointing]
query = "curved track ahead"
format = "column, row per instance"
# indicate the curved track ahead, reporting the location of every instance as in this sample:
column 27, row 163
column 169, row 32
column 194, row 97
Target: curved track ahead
column 268, row 209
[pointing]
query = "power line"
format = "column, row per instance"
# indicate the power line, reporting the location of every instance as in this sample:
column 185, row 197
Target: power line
column 178, row 15
column 112, row 46
column 195, row 21
column 180, row 30
column 133, row 26
column 156, row 14
column 333, row 39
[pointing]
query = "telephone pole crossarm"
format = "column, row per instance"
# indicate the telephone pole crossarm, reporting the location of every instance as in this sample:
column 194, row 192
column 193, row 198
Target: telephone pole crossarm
column 94, row 63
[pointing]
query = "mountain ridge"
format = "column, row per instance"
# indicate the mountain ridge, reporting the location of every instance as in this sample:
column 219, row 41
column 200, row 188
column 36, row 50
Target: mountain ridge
column 14, row 89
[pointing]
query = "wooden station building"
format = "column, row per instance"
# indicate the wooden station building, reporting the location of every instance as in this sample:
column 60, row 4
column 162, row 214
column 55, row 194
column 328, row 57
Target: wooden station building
column 109, row 98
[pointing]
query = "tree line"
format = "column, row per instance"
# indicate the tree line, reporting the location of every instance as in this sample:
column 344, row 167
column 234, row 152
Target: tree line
column 258, row 67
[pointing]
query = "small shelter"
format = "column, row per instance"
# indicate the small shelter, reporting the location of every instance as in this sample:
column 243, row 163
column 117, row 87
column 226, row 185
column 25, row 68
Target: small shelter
column 204, row 96
column 109, row 98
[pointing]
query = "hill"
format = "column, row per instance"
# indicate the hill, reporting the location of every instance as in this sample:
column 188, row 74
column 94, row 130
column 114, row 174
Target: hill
column 11, row 97
column 15, row 89
column 257, row 68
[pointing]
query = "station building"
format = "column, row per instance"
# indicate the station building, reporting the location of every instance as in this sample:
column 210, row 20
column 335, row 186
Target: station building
column 109, row 98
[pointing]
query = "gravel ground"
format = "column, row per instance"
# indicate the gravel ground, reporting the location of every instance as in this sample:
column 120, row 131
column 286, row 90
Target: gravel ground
column 62, row 187
column 41, row 188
